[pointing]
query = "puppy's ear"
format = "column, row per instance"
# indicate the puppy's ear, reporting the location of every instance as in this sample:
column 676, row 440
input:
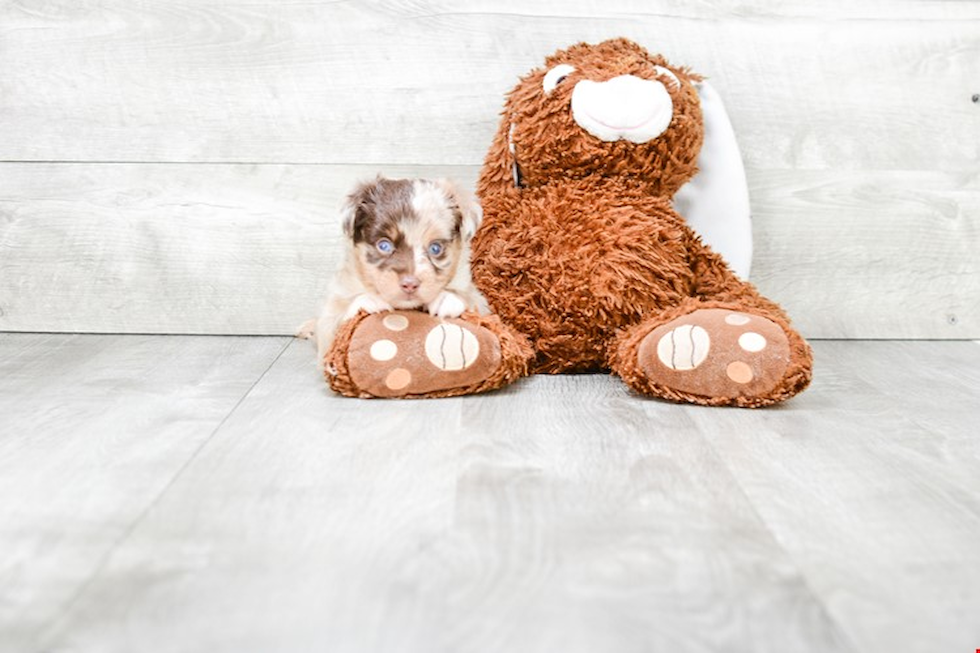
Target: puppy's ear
column 469, row 208
column 348, row 211
column 354, row 210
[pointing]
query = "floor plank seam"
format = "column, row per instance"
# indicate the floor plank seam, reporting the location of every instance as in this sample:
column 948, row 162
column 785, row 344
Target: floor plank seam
column 55, row 624
column 845, row 637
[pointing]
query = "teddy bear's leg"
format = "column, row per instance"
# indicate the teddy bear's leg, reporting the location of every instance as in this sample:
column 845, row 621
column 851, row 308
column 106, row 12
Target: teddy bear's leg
column 413, row 354
column 714, row 353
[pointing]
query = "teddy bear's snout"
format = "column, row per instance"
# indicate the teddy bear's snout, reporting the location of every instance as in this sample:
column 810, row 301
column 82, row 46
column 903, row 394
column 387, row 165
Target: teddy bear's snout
column 625, row 107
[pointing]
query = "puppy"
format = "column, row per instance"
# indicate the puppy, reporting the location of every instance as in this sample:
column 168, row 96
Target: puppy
column 407, row 245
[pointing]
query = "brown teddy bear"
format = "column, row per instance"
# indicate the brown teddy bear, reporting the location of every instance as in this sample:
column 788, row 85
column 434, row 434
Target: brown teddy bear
column 581, row 252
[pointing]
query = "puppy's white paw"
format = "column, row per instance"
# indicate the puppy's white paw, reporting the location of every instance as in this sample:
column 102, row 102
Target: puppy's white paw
column 368, row 303
column 447, row 304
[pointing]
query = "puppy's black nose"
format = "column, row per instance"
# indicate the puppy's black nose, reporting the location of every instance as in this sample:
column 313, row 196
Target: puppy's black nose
column 409, row 284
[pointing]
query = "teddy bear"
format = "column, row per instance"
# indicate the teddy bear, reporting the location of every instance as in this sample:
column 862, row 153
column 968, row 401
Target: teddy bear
column 584, row 261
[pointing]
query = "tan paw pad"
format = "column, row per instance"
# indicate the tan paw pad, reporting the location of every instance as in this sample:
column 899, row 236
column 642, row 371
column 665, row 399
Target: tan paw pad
column 684, row 347
column 451, row 348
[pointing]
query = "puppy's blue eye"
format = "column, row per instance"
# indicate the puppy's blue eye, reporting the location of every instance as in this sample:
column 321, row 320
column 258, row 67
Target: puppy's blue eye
column 436, row 249
column 385, row 246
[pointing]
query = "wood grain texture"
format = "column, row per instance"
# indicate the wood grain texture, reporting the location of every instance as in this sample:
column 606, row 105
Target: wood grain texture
column 876, row 255
column 560, row 514
column 246, row 249
column 237, row 249
column 563, row 513
column 93, row 430
column 883, row 86
column 873, row 487
column 245, row 123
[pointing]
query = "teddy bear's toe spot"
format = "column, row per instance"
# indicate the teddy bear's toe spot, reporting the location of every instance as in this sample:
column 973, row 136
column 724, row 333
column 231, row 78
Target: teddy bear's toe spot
column 736, row 319
column 739, row 372
column 395, row 322
column 450, row 347
column 751, row 342
column 398, row 378
column 384, row 350
column 684, row 348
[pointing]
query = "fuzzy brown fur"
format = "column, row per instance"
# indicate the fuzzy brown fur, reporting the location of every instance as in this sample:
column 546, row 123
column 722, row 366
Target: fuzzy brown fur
column 586, row 256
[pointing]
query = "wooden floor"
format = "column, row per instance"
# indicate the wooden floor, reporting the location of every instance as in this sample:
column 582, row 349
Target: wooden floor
column 210, row 494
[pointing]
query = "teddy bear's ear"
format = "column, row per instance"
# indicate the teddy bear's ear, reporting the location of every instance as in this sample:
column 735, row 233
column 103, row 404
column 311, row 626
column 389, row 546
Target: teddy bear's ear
column 715, row 202
column 469, row 208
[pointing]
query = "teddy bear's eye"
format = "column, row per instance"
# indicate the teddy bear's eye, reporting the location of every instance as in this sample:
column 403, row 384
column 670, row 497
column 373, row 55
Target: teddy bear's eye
column 556, row 75
column 663, row 72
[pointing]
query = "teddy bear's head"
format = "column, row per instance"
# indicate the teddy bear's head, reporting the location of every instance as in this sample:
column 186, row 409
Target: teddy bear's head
column 610, row 109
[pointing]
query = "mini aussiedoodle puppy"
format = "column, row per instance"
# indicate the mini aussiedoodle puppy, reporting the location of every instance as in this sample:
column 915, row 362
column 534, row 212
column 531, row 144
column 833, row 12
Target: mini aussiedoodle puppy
column 407, row 244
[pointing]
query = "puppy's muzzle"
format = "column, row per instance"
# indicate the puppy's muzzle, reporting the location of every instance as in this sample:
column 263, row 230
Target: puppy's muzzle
column 409, row 284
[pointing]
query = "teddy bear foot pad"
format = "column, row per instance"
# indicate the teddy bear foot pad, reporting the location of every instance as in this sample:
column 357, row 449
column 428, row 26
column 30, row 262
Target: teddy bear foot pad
column 410, row 353
column 716, row 353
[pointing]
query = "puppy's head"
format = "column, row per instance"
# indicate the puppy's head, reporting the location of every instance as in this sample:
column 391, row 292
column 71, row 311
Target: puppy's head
column 410, row 236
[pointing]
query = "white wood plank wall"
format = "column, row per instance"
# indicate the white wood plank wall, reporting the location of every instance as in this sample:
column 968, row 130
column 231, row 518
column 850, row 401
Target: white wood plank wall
column 173, row 166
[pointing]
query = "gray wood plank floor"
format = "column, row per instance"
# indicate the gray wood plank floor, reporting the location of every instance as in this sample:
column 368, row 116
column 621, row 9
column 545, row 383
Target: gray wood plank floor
column 210, row 494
